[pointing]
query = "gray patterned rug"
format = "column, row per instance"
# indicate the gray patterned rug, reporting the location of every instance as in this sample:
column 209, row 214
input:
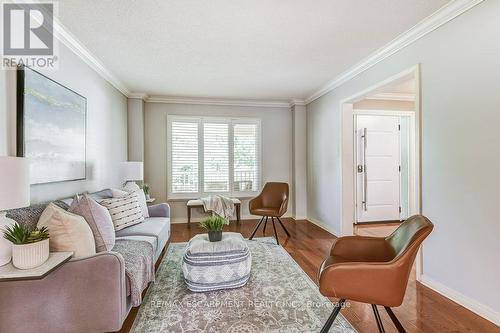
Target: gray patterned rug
column 279, row 297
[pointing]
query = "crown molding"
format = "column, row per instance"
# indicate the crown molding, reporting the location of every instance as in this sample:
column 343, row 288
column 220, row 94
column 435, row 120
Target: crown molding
column 393, row 97
column 142, row 96
column 223, row 102
column 429, row 24
column 68, row 39
column 299, row 102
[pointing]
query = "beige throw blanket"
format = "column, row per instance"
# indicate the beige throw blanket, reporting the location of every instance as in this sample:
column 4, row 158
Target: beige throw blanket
column 220, row 205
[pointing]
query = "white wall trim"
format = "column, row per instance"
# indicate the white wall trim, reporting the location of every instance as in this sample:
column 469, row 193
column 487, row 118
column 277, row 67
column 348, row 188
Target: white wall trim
column 248, row 217
column 322, row 226
column 429, row 24
column 465, row 301
column 142, row 96
column 299, row 102
column 212, row 101
column 68, row 39
column 393, row 97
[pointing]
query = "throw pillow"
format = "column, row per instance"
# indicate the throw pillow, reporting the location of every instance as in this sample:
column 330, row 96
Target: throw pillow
column 67, row 232
column 99, row 220
column 125, row 211
column 133, row 187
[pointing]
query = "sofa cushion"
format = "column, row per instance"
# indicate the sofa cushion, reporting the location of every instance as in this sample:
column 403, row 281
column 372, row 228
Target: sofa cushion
column 68, row 232
column 158, row 227
column 101, row 195
column 99, row 220
column 29, row 216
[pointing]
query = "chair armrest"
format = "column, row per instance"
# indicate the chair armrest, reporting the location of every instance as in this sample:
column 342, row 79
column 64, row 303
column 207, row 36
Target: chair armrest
column 159, row 210
column 362, row 248
column 85, row 294
column 373, row 283
column 255, row 203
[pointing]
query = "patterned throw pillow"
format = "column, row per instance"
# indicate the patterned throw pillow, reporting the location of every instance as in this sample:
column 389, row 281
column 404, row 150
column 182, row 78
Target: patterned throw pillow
column 125, row 211
column 99, row 220
column 133, row 187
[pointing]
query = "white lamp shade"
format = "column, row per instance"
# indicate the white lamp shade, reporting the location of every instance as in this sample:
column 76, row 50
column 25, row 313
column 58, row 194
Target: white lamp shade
column 132, row 171
column 14, row 183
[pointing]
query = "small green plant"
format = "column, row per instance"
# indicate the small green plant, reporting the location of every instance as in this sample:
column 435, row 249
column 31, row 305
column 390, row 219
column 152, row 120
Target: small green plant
column 145, row 188
column 21, row 234
column 213, row 223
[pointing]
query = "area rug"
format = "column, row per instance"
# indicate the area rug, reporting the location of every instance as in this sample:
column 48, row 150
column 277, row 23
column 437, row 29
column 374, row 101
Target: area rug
column 279, row 297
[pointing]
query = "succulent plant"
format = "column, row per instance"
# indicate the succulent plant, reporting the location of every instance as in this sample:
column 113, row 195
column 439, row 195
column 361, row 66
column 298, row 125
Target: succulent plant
column 21, row 234
column 213, row 223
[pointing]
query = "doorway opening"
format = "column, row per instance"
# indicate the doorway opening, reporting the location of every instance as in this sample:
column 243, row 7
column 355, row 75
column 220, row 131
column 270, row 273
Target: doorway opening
column 394, row 101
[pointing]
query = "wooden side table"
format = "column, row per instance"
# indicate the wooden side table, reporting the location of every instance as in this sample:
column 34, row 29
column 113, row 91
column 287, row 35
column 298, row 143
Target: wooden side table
column 56, row 259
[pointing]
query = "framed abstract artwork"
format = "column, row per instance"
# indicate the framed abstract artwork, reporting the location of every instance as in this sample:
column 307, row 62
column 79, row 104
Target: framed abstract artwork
column 51, row 128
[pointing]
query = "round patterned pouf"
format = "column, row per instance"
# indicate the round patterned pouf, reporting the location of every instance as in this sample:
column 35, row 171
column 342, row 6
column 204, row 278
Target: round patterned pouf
column 219, row 265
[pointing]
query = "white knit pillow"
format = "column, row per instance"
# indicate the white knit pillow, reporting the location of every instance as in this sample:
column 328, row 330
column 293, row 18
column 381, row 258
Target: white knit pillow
column 125, row 211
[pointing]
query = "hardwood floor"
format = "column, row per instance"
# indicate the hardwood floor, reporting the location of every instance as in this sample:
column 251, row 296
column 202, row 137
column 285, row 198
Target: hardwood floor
column 423, row 310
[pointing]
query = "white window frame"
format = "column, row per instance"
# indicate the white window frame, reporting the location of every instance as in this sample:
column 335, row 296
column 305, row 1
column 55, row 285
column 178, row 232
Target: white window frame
column 231, row 121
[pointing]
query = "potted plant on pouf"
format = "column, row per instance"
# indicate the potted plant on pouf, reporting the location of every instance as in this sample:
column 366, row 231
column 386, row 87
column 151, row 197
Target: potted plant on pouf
column 30, row 246
column 213, row 225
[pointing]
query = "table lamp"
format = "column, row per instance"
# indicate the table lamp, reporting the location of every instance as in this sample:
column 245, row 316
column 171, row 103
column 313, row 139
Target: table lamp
column 132, row 172
column 14, row 193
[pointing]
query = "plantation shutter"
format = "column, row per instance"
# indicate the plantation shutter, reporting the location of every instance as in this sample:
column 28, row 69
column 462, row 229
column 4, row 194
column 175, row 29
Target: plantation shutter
column 215, row 157
column 184, row 156
column 246, row 147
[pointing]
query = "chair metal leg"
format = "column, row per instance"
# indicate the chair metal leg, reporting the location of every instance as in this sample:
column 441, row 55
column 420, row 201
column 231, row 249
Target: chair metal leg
column 379, row 320
column 333, row 315
column 395, row 320
column 275, row 233
column 256, row 227
column 283, row 226
column 265, row 224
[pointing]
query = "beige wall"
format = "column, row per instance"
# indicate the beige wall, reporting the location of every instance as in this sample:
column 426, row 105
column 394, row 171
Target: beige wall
column 459, row 66
column 276, row 146
column 106, row 125
column 376, row 104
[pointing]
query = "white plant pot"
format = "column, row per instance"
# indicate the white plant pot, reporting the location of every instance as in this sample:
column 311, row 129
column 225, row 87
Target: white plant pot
column 5, row 245
column 32, row 255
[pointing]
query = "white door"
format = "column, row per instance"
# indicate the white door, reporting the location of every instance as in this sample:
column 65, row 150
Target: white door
column 378, row 168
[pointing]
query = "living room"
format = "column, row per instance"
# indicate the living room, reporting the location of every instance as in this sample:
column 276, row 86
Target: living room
column 224, row 167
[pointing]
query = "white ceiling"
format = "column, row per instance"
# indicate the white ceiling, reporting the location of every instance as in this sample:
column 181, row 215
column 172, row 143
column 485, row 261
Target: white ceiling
column 256, row 49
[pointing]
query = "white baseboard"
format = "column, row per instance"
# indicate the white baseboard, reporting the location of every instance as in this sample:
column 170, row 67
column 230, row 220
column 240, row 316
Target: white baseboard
column 199, row 219
column 478, row 308
column 321, row 225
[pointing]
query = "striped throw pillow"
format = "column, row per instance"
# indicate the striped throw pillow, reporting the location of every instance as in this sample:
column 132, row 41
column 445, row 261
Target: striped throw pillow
column 125, row 211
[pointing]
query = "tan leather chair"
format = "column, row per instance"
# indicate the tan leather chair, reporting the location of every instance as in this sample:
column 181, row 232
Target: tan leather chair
column 373, row 270
column 272, row 203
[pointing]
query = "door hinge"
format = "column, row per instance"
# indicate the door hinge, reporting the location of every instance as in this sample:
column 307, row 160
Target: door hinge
column 400, row 209
column 399, row 127
column 399, row 168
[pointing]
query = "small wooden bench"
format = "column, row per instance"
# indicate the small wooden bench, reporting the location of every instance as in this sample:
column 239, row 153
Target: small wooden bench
column 197, row 203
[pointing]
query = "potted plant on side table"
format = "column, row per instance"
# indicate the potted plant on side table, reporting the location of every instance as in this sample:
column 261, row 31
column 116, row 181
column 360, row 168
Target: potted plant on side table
column 213, row 225
column 30, row 246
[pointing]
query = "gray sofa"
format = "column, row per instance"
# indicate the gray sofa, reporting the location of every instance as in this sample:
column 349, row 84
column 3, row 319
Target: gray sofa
column 89, row 294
